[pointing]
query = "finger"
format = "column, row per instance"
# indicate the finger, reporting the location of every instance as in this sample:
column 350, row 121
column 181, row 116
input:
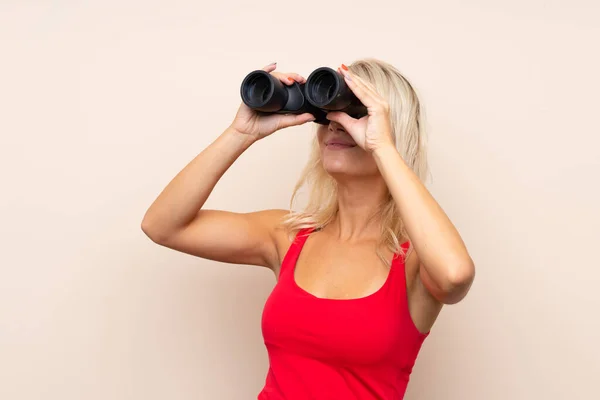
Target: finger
column 289, row 78
column 288, row 120
column 345, row 120
column 367, row 96
column 367, row 85
column 297, row 77
column 358, row 80
column 270, row 68
column 359, row 90
column 359, row 84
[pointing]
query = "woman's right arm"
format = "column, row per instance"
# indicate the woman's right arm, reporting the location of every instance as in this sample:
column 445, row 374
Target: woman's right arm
column 176, row 219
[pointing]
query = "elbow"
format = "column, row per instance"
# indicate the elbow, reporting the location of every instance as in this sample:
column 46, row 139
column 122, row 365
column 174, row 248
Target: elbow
column 152, row 231
column 457, row 282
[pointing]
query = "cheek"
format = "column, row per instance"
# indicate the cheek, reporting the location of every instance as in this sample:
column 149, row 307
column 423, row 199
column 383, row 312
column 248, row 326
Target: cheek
column 321, row 131
column 367, row 164
column 363, row 163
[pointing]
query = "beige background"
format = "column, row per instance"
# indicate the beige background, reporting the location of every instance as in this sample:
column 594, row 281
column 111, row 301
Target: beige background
column 102, row 102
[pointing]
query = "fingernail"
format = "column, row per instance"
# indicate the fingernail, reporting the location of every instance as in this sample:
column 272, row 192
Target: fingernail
column 290, row 79
column 344, row 67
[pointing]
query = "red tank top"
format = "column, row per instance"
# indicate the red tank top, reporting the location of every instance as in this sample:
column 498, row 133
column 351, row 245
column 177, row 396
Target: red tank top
column 333, row 349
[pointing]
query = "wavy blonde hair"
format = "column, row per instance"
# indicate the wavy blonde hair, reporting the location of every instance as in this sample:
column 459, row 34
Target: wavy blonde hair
column 407, row 121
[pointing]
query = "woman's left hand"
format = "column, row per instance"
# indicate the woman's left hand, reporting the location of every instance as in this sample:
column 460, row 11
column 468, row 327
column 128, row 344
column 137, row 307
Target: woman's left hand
column 373, row 131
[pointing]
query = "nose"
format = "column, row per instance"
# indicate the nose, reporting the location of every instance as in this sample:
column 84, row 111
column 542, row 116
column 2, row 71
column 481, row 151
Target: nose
column 336, row 127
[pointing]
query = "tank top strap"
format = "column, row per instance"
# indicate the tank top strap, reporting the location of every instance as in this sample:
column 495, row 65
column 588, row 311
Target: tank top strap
column 398, row 272
column 293, row 252
column 405, row 246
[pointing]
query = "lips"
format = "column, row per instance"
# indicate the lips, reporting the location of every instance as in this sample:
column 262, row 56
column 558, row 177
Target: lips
column 336, row 143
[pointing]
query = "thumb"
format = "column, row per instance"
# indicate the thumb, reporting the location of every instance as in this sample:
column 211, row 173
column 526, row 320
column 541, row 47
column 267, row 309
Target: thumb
column 288, row 120
column 341, row 118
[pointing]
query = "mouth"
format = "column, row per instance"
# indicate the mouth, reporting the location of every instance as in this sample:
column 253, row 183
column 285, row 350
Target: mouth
column 339, row 145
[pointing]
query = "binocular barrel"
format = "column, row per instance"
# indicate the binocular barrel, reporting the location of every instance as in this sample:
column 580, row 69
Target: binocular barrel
column 325, row 90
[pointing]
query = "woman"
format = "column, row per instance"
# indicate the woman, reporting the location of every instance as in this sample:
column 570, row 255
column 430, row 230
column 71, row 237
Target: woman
column 363, row 272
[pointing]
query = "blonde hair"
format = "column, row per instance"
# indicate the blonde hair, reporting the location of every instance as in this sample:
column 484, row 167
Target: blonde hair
column 407, row 121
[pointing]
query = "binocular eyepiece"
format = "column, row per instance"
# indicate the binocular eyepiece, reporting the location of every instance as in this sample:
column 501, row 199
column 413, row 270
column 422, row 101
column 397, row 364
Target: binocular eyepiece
column 324, row 90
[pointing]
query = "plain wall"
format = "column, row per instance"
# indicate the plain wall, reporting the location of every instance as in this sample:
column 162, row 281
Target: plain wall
column 103, row 102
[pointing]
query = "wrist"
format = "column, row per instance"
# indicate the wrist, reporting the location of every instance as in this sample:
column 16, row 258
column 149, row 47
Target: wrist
column 384, row 150
column 243, row 139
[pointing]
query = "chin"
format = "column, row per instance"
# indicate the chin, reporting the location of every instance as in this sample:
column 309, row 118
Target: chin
column 339, row 166
column 337, row 169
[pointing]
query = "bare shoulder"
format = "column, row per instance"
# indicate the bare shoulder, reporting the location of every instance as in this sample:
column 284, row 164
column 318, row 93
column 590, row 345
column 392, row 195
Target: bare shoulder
column 280, row 236
column 271, row 221
column 424, row 308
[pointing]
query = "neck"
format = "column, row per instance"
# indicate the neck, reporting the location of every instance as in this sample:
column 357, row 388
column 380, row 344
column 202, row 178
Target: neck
column 357, row 201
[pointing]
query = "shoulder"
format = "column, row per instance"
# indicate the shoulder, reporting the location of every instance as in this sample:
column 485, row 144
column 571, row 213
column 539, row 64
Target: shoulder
column 286, row 234
column 269, row 221
column 274, row 221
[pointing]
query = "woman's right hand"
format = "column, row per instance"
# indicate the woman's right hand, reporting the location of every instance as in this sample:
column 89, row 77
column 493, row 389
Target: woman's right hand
column 249, row 122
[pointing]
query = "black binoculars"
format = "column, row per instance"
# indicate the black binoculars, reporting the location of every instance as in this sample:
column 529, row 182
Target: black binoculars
column 324, row 90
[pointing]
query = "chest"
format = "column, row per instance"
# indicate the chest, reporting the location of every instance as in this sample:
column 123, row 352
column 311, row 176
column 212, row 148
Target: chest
column 366, row 331
column 343, row 306
column 339, row 271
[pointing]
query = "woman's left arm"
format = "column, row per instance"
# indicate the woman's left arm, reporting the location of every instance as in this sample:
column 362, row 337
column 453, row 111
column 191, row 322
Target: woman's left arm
column 439, row 247
column 446, row 268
